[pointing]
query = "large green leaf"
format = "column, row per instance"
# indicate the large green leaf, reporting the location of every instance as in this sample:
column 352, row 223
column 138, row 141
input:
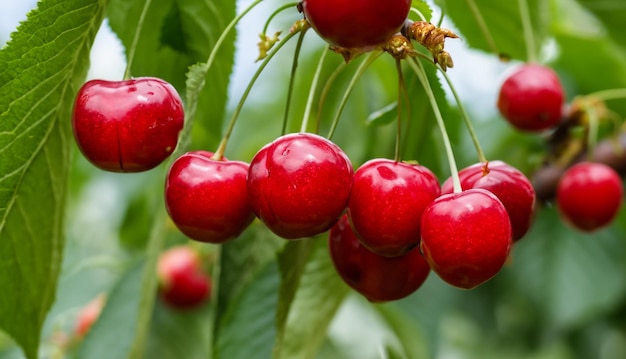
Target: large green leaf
column 612, row 14
column 176, row 35
column 42, row 67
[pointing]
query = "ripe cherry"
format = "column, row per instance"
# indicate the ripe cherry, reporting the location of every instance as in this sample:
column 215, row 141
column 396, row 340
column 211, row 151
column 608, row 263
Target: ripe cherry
column 466, row 237
column 88, row 315
column 208, row 199
column 183, row 284
column 299, row 185
column 589, row 195
column 511, row 187
column 531, row 98
column 387, row 201
column 376, row 277
column 127, row 126
column 356, row 24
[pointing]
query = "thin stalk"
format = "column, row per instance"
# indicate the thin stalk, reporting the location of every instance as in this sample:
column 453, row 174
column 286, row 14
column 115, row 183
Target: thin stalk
column 133, row 46
column 466, row 118
column 418, row 68
column 292, row 79
column 482, row 25
column 310, row 98
column 329, row 82
column 401, row 93
column 592, row 133
column 419, row 14
column 610, row 94
column 527, row 26
column 219, row 153
column 276, row 12
column 192, row 99
column 359, row 72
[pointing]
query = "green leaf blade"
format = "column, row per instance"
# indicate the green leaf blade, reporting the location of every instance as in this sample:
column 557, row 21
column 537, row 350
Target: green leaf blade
column 43, row 65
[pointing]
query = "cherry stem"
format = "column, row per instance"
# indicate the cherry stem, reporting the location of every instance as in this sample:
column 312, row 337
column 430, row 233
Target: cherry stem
column 192, row 97
column 418, row 68
column 592, row 133
column 292, row 78
column 527, row 25
column 311, row 96
column 219, row 153
column 466, row 118
column 276, row 12
column 329, row 82
column 418, row 13
column 133, row 46
column 482, row 25
column 359, row 72
column 401, row 93
column 610, row 94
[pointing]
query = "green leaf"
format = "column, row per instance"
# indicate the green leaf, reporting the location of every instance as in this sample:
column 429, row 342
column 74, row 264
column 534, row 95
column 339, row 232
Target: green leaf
column 411, row 342
column 320, row 293
column 503, row 22
column 384, row 116
column 176, row 35
column 43, row 65
column 247, row 330
column 570, row 276
column 612, row 14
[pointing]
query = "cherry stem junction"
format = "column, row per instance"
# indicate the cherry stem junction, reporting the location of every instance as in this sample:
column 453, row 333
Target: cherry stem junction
column 133, row 46
column 418, row 68
column 529, row 39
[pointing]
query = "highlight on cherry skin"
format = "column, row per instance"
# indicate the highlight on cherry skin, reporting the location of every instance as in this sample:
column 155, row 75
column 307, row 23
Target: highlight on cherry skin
column 509, row 184
column 589, row 195
column 299, row 185
column 387, row 197
column 531, row 98
column 207, row 199
column 356, row 24
column 466, row 237
column 127, row 126
column 182, row 282
column 376, row 277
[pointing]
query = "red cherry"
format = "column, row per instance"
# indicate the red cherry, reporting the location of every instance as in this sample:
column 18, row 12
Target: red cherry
column 531, row 98
column 376, row 277
column 356, row 24
column 509, row 184
column 299, row 185
column 466, row 237
column 88, row 315
column 182, row 283
column 208, row 199
column 387, row 201
column 589, row 195
column 127, row 126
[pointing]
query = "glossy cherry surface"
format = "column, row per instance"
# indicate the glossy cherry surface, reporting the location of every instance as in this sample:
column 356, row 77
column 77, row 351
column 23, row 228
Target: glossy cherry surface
column 387, row 201
column 589, row 195
column 509, row 184
column 531, row 98
column 356, row 24
column 466, row 237
column 208, row 199
column 299, row 185
column 183, row 284
column 376, row 277
column 127, row 126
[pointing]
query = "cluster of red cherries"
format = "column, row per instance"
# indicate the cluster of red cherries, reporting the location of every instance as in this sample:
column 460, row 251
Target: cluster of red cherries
column 588, row 193
column 389, row 222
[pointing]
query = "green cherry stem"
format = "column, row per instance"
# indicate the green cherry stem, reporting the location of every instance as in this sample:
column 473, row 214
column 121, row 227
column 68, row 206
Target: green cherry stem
column 133, row 46
column 527, row 26
column 418, row 13
column 329, row 83
column 311, row 96
column 359, row 72
column 402, row 95
column 292, row 79
column 418, row 68
column 466, row 118
column 219, row 153
column 482, row 25
column 191, row 103
column 592, row 135
column 610, row 94
column 276, row 12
